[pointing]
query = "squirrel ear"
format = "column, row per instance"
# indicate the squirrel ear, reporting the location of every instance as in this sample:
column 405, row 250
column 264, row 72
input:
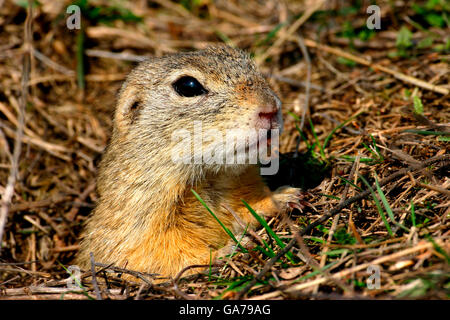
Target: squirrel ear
column 128, row 107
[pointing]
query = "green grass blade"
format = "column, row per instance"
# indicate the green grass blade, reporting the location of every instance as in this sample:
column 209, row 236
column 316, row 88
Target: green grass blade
column 377, row 203
column 270, row 35
column 316, row 272
column 236, row 285
column 388, row 207
column 210, row 265
column 418, row 105
column 321, row 147
column 268, row 253
column 318, row 240
column 329, row 196
column 231, row 254
column 413, row 214
column 429, row 133
column 328, row 138
column 294, row 116
column 350, row 183
column 228, row 231
column 77, row 282
column 224, row 37
column 376, row 155
column 438, row 248
column 336, row 252
column 302, row 135
column 353, row 159
column 80, row 58
column 379, row 155
column 269, row 230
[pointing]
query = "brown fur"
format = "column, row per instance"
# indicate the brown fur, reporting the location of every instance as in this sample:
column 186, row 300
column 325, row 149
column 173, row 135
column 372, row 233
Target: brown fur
column 147, row 217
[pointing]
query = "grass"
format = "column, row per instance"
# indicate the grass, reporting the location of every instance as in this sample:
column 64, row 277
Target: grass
column 378, row 205
column 413, row 214
column 317, row 143
column 228, row 231
column 267, row 250
column 373, row 149
column 269, row 230
column 418, row 105
column 80, row 59
column 77, row 283
column 388, row 207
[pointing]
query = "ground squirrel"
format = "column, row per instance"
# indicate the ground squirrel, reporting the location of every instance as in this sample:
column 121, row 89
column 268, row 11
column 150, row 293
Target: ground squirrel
column 147, row 218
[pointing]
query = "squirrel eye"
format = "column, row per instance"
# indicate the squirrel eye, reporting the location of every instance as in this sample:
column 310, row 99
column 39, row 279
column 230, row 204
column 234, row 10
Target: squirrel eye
column 188, row 87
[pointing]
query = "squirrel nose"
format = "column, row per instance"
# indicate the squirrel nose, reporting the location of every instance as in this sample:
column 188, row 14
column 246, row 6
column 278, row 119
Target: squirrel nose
column 268, row 115
column 271, row 110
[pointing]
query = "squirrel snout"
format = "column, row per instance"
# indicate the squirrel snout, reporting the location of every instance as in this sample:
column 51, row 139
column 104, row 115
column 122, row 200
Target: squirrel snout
column 269, row 116
column 269, row 119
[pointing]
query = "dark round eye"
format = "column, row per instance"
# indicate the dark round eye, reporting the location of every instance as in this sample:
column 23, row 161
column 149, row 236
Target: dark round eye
column 188, row 87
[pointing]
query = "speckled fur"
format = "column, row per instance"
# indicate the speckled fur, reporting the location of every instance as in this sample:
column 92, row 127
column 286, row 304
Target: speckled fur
column 147, row 218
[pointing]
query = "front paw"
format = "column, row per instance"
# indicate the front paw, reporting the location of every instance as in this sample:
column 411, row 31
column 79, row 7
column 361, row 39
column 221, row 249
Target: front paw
column 288, row 198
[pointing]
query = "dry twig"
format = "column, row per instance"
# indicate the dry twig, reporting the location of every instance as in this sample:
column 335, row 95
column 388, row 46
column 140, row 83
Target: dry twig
column 271, row 262
column 9, row 189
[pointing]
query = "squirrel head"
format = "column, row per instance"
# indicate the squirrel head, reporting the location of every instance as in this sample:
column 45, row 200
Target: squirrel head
column 219, row 87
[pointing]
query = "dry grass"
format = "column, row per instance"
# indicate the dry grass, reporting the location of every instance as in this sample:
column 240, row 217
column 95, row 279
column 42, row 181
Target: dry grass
column 314, row 56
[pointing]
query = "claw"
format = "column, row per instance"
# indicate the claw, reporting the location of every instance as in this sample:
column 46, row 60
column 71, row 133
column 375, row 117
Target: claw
column 289, row 198
column 296, row 205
